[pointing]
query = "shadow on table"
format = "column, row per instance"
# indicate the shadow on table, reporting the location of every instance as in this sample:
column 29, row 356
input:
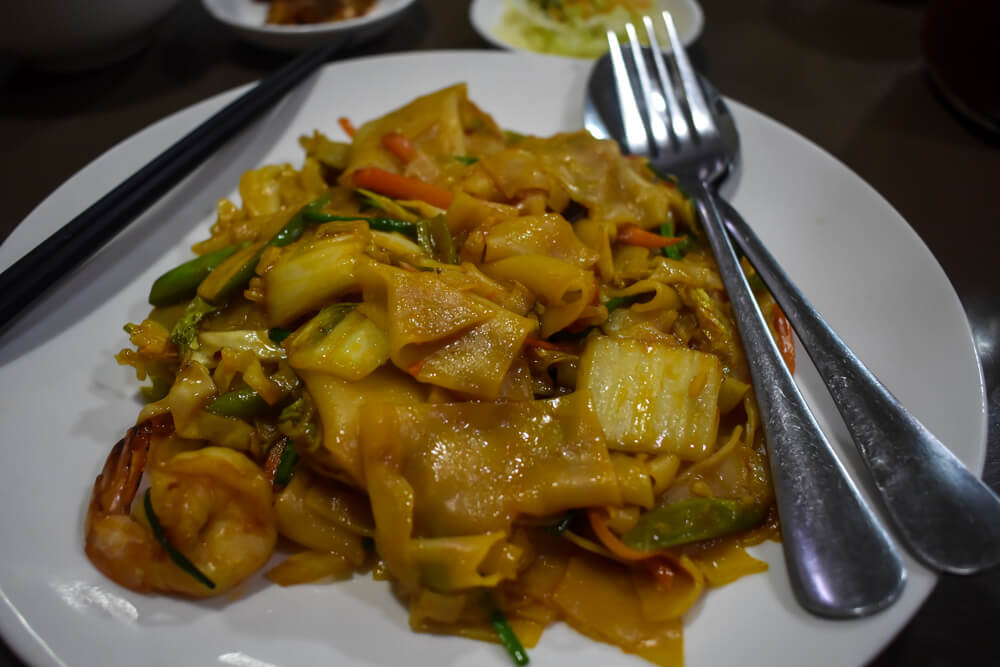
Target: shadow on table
column 961, row 611
column 865, row 31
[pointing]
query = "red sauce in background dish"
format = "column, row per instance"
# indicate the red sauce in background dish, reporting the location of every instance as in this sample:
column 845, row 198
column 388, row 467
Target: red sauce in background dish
column 299, row 12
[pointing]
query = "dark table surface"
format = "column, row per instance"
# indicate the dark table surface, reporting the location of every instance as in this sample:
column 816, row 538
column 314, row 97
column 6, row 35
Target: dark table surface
column 847, row 75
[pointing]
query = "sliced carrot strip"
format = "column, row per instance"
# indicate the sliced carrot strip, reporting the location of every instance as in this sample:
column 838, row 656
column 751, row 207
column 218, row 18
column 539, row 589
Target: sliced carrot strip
column 786, row 339
column 398, row 186
column 415, row 368
column 347, row 126
column 631, row 235
column 400, row 146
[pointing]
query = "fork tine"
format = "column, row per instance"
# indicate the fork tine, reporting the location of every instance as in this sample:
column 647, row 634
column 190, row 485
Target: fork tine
column 653, row 102
column 701, row 117
column 678, row 122
column 636, row 139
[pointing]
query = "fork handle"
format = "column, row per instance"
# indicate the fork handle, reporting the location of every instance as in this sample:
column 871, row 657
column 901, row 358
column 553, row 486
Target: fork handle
column 945, row 515
column 841, row 562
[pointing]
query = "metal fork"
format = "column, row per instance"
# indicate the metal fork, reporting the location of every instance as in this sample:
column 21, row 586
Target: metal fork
column 841, row 562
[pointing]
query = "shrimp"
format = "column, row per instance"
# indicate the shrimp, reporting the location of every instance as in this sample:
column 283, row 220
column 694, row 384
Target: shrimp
column 214, row 505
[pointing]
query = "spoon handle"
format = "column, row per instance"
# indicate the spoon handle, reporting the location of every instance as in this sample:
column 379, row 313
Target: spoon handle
column 841, row 562
column 945, row 515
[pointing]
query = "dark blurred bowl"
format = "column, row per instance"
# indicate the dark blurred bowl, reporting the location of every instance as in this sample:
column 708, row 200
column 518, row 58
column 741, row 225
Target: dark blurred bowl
column 961, row 47
column 75, row 35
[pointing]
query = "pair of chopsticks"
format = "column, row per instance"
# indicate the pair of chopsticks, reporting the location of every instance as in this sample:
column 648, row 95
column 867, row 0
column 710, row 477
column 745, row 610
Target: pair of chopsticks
column 31, row 276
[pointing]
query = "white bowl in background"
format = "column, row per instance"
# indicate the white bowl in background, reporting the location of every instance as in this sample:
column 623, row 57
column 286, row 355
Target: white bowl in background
column 76, row 35
column 485, row 16
column 247, row 18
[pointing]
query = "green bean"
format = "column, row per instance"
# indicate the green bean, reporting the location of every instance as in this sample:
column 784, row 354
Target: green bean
column 622, row 301
column 159, row 387
column 278, row 334
column 508, row 638
column 691, row 520
column 675, row 251
column 175, row 555
column 243, row 403
column 376, row 223
column 181, row 282
column 286, row 466
column 289, row 233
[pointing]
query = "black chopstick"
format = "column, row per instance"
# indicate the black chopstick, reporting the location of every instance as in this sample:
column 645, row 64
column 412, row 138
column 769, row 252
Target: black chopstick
column 31, row 276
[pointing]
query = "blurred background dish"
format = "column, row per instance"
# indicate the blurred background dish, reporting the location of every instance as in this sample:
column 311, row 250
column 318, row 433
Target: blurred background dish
column 523, row 25
column 248, row 19
column 962, row 56
column 73, row 35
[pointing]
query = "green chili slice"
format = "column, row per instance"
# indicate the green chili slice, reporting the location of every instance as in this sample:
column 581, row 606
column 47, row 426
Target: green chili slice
column 179, row 559
column 691, row 520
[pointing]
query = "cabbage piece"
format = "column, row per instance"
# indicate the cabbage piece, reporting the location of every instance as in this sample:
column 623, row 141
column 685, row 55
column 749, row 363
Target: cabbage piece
column 255, row 341
column 653, row 398
column 308, row 275
column 350, row 347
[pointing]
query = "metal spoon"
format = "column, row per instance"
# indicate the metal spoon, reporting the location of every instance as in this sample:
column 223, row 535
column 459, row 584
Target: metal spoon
column 945, row 515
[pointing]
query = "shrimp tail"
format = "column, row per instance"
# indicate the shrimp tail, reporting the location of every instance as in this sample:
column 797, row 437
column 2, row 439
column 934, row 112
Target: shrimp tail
column 110, row 531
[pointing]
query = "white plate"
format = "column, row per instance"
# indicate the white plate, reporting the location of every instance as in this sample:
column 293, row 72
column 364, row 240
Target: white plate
column 65, row 401
column 247, row 19
column 486, row 15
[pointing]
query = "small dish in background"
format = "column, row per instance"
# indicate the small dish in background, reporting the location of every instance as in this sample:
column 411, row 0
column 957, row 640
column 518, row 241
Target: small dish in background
column 248, row 19
column 487, row 17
